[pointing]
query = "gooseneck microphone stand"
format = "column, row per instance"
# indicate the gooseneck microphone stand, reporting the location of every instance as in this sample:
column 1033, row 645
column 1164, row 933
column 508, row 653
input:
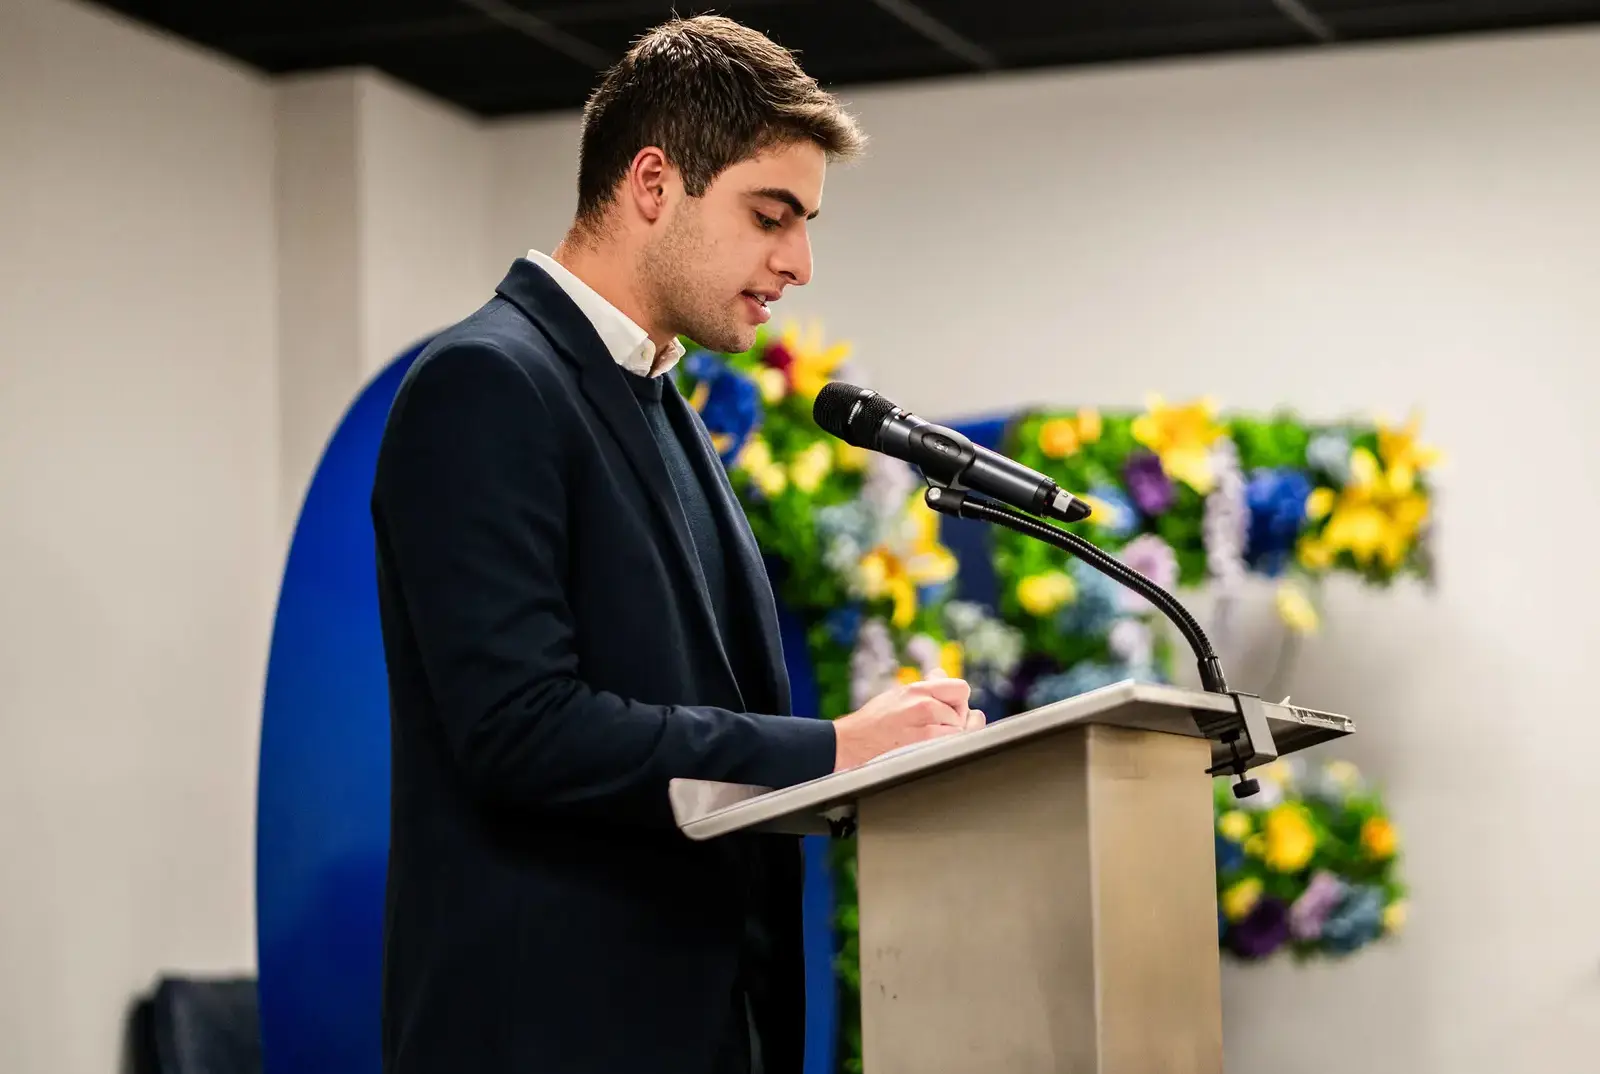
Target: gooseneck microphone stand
column 1238, row 734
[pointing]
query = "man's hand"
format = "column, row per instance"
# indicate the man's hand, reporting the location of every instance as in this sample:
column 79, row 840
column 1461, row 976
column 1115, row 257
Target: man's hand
column 915, row 712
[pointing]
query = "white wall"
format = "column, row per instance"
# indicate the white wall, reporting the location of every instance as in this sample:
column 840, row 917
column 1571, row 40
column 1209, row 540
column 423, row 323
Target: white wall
column 383, row 226
column 1338, row 231
column 138, row 551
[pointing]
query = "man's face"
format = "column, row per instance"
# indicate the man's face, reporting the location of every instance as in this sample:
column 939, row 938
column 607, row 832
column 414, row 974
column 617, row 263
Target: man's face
column 720, row 259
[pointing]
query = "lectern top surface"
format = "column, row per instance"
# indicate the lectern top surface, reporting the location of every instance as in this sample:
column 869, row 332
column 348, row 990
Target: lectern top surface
column 705, row 809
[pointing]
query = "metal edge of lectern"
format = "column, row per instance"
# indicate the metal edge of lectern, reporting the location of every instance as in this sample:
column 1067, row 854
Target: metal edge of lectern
column 706, row 809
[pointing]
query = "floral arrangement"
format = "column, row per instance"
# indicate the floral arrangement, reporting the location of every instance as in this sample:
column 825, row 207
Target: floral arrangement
column 1179, row 494
column 850, row 543
column 1188, row 498
column 1308, row 865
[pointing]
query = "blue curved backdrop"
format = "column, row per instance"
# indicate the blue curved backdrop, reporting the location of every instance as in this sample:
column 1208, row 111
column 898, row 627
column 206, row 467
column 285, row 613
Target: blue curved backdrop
column 322, row 831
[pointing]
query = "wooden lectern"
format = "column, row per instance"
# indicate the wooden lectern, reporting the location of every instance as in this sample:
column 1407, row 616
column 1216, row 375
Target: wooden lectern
column 1038, row 896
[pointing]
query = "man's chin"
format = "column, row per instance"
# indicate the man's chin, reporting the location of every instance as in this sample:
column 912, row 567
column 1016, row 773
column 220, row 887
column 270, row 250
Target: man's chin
column 727, row 339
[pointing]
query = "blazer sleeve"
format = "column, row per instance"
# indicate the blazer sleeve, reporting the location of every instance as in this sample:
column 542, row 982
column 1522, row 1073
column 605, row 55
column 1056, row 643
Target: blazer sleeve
column 469, row 501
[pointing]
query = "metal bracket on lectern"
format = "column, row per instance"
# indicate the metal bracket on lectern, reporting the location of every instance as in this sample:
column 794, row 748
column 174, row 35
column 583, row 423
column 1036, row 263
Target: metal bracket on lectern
column 1248, row 722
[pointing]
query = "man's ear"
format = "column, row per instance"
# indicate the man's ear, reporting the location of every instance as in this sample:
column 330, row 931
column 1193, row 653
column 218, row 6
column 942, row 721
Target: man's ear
column 649, row 183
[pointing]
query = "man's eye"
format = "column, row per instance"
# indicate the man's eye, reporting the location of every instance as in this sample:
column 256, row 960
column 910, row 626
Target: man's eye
column 767, row 223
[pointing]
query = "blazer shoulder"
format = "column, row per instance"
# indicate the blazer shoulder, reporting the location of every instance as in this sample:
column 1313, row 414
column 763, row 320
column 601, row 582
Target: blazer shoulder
column 499, row 335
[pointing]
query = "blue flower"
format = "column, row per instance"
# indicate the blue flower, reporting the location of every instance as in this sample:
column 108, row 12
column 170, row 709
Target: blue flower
column 1080, row 678
column 1121, row 517
column 731, row 412
column 844, row 624
column 703, row 365
column 1096, row 606
column 1355, row 922
column 1277, row 503
column 1230, row 855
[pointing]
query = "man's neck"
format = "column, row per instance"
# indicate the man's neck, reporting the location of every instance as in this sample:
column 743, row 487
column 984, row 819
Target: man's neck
column 608, row 270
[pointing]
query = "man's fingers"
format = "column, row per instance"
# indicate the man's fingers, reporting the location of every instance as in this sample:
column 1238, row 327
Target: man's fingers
column 953, row 692
column 932, row 710
column 976, row 719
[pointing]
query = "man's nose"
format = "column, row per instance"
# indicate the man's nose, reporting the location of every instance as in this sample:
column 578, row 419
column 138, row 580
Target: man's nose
column 793, row 259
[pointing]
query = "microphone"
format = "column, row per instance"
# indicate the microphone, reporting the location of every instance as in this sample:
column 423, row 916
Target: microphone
column 866, row 419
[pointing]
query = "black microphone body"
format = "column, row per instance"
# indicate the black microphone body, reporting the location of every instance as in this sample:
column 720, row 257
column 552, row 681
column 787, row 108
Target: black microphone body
column 866, row 419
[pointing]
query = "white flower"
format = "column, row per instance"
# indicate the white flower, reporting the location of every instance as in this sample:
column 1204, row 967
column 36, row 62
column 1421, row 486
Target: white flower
column 1130, row 640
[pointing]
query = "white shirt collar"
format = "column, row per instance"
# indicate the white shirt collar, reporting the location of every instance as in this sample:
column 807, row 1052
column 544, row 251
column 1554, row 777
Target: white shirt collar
column 630, row 346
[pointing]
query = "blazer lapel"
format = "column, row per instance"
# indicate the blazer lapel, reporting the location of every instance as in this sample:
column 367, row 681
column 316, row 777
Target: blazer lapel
column 605, row 386
column 747, row 571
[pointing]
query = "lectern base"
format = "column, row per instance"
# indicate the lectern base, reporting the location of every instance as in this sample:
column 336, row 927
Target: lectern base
column 1046, row 910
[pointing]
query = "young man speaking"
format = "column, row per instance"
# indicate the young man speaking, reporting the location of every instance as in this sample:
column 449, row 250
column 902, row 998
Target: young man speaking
column 574, row 611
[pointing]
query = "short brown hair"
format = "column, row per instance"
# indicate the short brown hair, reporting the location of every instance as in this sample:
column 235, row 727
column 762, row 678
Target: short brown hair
column 710, row 93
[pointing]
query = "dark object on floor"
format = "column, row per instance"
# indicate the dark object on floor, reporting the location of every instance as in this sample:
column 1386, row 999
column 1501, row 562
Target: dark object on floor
column 194, row 1026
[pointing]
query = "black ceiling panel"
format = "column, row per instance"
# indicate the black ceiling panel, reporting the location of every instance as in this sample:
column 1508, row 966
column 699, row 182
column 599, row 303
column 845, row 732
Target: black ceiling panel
column 1365, row 19
column 504, row 57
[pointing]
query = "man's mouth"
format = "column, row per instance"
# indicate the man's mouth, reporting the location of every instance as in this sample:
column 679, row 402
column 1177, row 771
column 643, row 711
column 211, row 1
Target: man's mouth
column 758, row 301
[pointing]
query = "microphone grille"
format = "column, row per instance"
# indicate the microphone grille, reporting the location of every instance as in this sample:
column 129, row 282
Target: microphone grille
column 833, row 406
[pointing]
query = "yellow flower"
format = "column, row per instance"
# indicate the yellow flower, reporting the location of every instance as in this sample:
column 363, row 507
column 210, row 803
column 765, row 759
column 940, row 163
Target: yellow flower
column 951, row 658
column 1058, row 437
column 1063, row 436
column 771, row 480
column 1378, row 514
column 811, row 466
column 755, row 455
column 908, row 675
column 1403, row 455
column 1182, row 436
column 702, row 392
column 1088, row 425
column 1296, row 610
column 1319, row 503
column 1234, row 825
column 1314, row 554
column 1378, row 838
column 755, row 459
column 1256, row 846
column 1041, row 594
column 850, row 458
column 1241, row 897
column 774, row 385
column 914, row 558
column 1290, row 838
column 1394, row 916
column 813, row 364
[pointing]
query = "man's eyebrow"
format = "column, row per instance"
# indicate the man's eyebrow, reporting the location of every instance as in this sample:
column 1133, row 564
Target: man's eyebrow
column 778, row 193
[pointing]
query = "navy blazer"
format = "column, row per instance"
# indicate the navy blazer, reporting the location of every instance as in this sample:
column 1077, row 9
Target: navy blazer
column 553, row 662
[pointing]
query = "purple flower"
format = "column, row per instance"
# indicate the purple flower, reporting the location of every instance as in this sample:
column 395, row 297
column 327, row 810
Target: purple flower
column 1131, row 642
column 1316, row 902
column 887, row 486
column 1224, row 526
column 873, row 664
column 1263, row 931
column 1148, row 483
column 1154, row 558
column 924, row 652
